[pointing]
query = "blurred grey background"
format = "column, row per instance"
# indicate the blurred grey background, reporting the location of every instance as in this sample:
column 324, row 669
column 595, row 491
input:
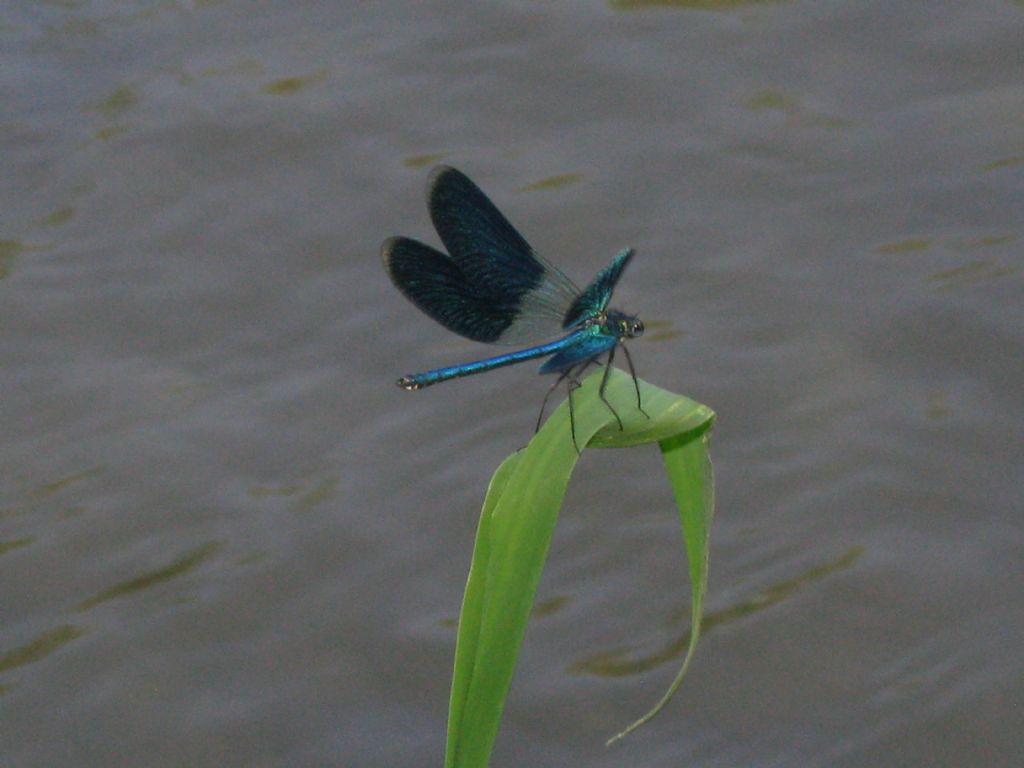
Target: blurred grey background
column 226, row 537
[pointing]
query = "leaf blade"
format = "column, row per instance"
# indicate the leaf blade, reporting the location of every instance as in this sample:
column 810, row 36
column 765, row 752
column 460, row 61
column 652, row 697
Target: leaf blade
column 515, row 530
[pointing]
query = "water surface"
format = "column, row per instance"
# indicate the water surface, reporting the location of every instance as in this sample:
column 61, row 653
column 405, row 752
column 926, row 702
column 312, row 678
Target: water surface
column 227, row 539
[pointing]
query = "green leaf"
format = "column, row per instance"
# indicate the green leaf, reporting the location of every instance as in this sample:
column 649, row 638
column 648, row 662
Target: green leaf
column 515, row 530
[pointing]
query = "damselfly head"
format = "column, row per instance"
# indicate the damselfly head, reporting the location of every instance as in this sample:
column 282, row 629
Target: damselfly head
column 622, row 325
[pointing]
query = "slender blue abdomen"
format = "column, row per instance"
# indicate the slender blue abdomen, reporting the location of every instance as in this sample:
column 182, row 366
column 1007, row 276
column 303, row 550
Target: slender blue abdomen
column 421, row 380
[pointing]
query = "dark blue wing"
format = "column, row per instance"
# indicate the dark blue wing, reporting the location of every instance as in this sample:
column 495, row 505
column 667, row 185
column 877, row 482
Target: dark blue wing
column 439, row 287
column 495, row 261
column 595, row 296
